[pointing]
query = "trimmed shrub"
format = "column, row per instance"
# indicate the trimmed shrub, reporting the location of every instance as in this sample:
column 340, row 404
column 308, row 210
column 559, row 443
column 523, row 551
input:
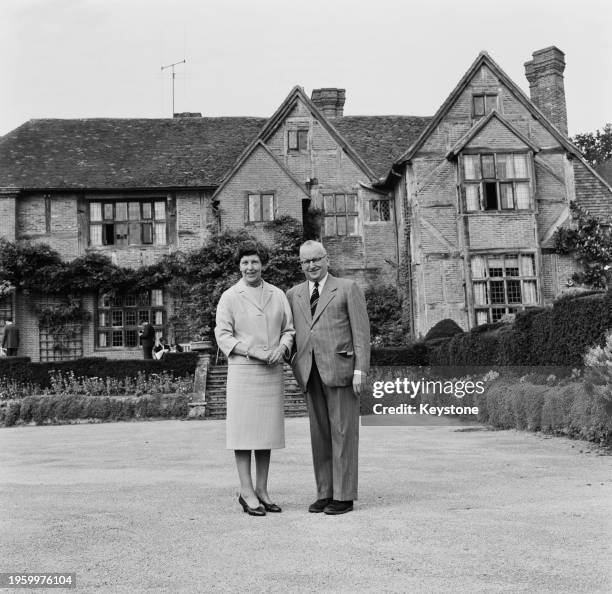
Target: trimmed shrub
column 443, row 329
column 556, row 409
column 553, row 336
column 60, row 409
column 12, row 414
column 413, row 355
column 562, row 409
column 27, row 409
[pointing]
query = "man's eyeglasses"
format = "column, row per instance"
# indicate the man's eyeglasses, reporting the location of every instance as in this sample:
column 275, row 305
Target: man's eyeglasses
column 312, row 260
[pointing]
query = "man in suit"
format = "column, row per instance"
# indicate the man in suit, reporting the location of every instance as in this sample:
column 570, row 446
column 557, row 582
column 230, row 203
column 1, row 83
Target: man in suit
column 331, row 364
column 10, row 340
column 147, row 340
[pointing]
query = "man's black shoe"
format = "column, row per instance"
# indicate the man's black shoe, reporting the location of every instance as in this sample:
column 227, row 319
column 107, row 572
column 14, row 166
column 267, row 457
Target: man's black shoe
column 319, row 505
column 338, row 507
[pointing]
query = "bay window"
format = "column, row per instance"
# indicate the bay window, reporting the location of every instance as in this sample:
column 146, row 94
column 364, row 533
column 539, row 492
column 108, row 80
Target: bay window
column 496, row 181
column 502, row 284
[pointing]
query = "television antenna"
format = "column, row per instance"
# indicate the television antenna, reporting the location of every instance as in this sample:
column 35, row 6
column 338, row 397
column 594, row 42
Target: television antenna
column 173, row 77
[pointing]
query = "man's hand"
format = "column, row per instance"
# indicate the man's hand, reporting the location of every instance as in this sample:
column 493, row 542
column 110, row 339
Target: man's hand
column 359, row 383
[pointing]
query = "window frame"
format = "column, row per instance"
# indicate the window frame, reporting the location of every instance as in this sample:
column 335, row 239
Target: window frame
column 150, row 302
column 261, row 219
column 484, row 183
column 121, row 229
column 507, row 281
column 371, row 210
column 337, row 214
column 486, row 97
column 297, row 139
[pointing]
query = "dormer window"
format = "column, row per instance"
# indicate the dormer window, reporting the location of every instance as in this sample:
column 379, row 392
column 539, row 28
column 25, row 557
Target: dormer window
column 483, row 104
column 297, row 139
column 496, row 181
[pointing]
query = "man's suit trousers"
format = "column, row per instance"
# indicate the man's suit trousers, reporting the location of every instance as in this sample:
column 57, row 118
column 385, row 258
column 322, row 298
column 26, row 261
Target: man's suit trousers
column 334, row 433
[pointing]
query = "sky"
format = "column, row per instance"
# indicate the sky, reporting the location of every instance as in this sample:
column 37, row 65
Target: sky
column 104, row 58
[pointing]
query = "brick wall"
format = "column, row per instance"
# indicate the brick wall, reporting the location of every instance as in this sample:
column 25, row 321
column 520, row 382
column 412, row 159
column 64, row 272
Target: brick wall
column 8, row 220
column 260, row 173
column 496, row 136
column 501, row 230
column 27, row 321
column 194, row 215
column 52, row 220
column 557, row 270
column 345, row 253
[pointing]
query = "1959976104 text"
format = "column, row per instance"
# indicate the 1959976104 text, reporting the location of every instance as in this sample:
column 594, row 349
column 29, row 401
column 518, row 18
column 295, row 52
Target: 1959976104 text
column 37, row 580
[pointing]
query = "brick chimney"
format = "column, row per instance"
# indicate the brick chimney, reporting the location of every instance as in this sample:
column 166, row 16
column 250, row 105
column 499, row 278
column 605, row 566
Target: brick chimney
column 545, row 76
column 329, row 101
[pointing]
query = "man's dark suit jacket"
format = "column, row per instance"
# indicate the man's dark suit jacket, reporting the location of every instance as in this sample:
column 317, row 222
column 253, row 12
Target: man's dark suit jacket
column 147, row 338
column 11, row 337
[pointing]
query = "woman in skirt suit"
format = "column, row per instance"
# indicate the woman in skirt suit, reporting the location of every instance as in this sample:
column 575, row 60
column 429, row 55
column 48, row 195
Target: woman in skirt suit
column 255, row 331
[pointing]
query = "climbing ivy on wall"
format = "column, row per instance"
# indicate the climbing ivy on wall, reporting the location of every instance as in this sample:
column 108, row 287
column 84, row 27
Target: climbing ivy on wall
column 589, row 241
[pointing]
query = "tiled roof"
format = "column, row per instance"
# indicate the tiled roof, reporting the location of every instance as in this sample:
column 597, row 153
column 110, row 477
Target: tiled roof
column 380, row 140
column 120, row 153
column 161, row 153
column 605, row 170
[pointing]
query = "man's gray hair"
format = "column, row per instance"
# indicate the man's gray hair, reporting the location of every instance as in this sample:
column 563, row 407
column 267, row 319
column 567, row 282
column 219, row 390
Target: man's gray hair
column 311, row 243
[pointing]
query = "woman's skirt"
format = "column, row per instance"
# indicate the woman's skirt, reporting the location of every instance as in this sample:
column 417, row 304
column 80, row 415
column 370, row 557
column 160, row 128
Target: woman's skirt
column 255, row 416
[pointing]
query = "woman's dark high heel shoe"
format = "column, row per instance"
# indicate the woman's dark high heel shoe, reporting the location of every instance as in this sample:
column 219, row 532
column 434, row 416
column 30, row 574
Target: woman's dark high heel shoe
column 252, row 511
column 269, row 507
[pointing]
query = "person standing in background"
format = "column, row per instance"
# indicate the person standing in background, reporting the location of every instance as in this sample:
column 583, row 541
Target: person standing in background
column 10, row 340
column 147, row 340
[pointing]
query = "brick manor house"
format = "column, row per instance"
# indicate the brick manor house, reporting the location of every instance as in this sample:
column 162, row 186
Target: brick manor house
column 457, row 210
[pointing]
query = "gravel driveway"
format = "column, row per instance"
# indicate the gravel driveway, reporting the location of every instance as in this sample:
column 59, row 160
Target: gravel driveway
column 151, row 506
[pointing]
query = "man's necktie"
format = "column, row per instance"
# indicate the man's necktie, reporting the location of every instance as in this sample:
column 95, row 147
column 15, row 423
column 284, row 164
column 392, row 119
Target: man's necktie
column 314, row 299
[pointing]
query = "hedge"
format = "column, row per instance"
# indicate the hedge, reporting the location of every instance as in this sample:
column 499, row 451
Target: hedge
column 21, row 369
column 414, row 354
column 557, row 335
column 62, row 409
column 571, row 409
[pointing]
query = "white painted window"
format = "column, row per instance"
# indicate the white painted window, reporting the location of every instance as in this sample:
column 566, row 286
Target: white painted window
column 496, row 182
column 121, row 223
column 502, row 284
column 260, row 207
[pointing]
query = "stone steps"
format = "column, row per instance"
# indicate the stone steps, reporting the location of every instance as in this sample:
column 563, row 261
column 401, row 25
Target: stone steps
column 295, row 404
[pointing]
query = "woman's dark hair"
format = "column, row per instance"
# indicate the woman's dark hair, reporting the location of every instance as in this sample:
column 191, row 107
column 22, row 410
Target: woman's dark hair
column 251, row 248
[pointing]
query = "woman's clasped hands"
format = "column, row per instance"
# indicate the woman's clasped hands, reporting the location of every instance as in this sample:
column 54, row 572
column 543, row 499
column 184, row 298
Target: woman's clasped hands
column 270, row 357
